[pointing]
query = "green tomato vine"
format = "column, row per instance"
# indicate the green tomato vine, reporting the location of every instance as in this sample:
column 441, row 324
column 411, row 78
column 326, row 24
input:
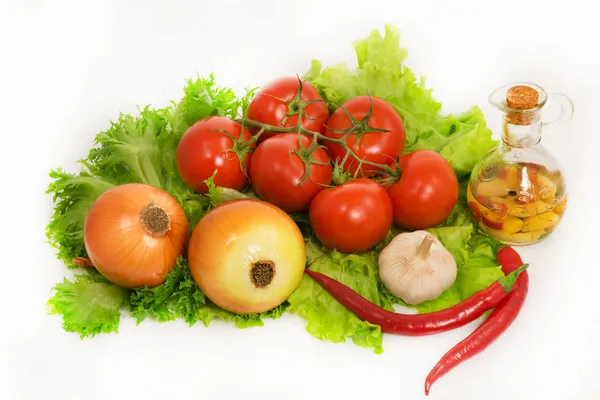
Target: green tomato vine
column 297, row 106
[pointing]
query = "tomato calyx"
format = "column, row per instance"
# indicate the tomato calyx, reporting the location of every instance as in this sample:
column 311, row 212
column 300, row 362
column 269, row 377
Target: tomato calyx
column 340, row 176
column 359, row 127
column 389, row 179
column 240, row 148
column 296, row 107
column 306, row 156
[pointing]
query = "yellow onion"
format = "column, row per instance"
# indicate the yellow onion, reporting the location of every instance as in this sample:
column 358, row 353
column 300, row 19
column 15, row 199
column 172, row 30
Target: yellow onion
column 134, row 233
column 247, row 256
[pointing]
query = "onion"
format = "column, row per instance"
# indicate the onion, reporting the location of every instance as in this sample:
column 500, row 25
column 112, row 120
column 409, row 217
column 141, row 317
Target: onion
column 247, row 256
column 134, row 234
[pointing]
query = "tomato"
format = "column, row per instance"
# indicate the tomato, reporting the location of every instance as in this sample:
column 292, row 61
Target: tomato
column 276, row 174
column 203, row 149
column 376, row 147
column 275, row 100
column 352, row 217
column 426, row 192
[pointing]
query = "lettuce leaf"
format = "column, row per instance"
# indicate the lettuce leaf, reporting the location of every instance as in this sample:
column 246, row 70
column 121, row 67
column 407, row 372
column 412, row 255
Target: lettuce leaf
column 177, row 297
column 73, row 195
column 327, row 318
column 89, row 304
column 468, row 143
column 381, row 72
column 203, row 97
column 180, row 297
column 242, row 321
column 130, row 149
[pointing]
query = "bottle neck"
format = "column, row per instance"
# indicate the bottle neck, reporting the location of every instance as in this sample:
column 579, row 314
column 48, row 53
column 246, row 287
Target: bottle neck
column 522, row 130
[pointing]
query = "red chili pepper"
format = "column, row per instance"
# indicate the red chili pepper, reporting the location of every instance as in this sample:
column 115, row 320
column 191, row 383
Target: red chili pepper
column 498, row 321
column 419, row 324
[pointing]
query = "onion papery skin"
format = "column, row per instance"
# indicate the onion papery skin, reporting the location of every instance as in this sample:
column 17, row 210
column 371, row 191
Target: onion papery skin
column 233, row 237
column 119, row 245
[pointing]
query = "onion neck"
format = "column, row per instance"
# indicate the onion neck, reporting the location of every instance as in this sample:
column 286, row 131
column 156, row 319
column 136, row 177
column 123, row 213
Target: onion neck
column 155, row 221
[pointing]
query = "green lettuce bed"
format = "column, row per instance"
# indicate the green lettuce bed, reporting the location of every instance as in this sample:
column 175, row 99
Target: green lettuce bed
column 141, row 148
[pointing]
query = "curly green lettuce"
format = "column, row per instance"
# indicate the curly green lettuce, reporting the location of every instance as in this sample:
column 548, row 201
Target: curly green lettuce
column 73, row 195
column 89, row 304
column 179, row 297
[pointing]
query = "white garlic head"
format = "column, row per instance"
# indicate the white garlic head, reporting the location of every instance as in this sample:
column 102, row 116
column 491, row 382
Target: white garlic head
column 416, row 267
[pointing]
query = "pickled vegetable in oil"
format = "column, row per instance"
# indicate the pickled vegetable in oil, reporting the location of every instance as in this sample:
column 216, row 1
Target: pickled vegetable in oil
column 517, row 203
column 517, row 192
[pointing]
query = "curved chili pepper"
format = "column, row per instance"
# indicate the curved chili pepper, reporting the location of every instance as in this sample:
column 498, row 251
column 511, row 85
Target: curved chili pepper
column 498, row 321
column 419, row 324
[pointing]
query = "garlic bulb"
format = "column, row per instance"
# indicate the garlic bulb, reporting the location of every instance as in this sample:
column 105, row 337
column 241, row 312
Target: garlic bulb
column 416, row 267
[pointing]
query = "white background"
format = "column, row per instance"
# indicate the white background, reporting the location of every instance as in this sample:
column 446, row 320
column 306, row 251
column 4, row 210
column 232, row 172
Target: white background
column 71, row 66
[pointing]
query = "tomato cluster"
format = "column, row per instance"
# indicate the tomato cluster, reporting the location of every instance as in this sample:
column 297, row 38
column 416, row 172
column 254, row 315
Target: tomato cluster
column 287, row 149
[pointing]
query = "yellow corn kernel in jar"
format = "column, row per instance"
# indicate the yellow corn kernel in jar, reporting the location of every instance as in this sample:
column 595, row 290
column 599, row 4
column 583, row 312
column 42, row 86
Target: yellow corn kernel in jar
column 542, row 222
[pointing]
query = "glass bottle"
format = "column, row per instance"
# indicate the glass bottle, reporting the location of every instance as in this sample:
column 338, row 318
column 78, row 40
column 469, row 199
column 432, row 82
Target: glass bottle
column 517, row 192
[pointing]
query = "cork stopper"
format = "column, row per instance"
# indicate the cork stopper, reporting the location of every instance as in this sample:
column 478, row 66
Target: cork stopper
column 521, row 97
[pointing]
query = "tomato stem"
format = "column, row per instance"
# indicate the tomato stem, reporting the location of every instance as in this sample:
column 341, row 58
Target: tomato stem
column 297, row 106
column 240, row 147
column 386, row 169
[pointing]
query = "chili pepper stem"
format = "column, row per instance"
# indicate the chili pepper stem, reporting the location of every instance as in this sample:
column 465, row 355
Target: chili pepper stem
column 508, row 281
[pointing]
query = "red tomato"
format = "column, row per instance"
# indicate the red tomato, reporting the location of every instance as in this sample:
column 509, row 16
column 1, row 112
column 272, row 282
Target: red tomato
column 352, row 217
column 275, row 100
column 276, row 174
column 203, row 149
column 377, row 147
column 426, row 192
